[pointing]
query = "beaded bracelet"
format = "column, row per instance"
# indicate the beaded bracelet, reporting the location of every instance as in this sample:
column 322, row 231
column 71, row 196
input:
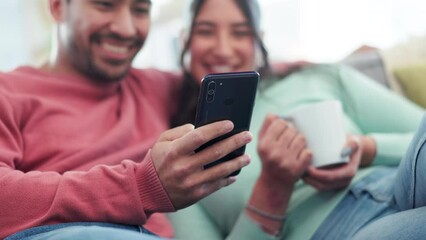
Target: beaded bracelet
column 278, row 218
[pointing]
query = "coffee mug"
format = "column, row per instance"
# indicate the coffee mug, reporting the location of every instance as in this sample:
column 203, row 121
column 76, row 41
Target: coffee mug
column 322, row 126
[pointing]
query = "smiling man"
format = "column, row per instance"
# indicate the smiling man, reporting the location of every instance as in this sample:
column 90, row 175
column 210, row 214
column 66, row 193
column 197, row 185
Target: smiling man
column 99, row 38
column 84, row 148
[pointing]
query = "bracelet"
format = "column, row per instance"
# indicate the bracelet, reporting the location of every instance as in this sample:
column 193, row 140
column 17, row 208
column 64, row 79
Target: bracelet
column 262, row 213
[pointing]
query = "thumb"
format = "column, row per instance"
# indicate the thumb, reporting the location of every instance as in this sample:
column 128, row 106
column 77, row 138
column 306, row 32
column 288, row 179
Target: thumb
column 351, row 147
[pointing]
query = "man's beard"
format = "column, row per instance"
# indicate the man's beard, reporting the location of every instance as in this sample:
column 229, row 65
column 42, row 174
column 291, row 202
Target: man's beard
column 99, row 75
column 85, row 63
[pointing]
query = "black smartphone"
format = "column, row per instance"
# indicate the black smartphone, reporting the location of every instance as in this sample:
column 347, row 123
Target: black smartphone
column 227, row 96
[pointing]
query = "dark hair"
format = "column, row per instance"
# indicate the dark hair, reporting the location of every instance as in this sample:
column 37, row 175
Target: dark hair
column 190, row 87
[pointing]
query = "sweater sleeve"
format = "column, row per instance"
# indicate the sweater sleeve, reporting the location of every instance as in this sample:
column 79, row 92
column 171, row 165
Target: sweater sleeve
column 126, row 193
column 382, row 114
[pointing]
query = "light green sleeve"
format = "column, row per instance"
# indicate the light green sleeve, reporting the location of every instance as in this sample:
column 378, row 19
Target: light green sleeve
column 194, row 223
column 380, row 113
column 246, row 229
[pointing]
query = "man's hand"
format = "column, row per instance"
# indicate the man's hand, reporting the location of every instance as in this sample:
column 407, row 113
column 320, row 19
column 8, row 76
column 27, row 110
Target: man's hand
column 181, row 169
column 337, row 177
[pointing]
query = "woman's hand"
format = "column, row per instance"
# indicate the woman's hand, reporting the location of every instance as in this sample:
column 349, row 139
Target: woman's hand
column 282, row 150
column 284, row 157
column 337, row 177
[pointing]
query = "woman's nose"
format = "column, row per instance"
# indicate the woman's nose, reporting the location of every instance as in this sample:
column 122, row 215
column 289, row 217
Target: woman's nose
column 224, row 46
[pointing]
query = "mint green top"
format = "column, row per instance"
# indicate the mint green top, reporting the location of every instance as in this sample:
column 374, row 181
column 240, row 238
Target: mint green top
column 369, row 108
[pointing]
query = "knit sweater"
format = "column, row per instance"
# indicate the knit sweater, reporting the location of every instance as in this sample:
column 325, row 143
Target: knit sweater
column 74, row 151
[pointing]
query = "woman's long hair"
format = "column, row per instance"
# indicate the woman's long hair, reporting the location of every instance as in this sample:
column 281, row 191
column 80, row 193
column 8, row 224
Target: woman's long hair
column 190, row 86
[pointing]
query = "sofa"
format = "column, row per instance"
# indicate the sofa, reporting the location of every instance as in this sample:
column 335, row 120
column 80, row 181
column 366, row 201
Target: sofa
column 401, row 68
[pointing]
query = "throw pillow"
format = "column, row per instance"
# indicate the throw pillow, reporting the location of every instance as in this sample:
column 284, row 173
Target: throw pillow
column 413, row 82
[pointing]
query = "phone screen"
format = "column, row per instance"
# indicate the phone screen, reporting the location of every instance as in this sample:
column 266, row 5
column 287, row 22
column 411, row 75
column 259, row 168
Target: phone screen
column 227, row 96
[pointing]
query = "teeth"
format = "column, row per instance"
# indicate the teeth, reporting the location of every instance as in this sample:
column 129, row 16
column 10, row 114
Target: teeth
column 115, row 49
column 221, row 69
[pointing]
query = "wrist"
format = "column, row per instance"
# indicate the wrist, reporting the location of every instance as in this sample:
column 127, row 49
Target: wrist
column 276, row 184
column 268, row 203
column 369, row 148
column 269, row 223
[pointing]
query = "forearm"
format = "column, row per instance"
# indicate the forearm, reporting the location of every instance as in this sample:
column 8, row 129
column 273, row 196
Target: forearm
column 104, row 193
column 272, row 198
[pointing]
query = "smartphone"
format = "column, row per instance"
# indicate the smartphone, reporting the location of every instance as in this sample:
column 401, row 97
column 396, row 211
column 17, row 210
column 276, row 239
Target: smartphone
column 227, row 96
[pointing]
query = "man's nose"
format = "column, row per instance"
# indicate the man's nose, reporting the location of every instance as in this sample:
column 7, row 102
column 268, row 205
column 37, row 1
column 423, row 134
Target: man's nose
column 123, row 24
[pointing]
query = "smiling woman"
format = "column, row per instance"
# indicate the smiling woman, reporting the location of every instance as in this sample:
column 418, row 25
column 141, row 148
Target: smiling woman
column 217, row 41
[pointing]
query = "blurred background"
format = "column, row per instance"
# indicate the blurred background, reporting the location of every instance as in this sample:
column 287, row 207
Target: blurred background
column 313, row 30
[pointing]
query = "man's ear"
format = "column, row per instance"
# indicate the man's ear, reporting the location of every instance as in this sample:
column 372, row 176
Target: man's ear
column 57, row 9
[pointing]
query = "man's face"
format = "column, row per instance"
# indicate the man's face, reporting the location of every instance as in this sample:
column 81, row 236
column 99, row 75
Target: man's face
column 100, row 38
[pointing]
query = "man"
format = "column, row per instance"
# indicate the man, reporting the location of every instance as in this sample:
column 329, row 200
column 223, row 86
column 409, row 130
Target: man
column 76, row 135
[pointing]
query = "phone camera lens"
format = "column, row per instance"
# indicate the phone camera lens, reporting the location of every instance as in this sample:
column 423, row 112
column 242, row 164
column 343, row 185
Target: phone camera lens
column 210, row 98
column 212, row 86
column 211, row 90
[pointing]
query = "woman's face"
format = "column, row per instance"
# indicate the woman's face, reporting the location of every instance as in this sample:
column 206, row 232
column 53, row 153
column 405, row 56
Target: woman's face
column 222, row 40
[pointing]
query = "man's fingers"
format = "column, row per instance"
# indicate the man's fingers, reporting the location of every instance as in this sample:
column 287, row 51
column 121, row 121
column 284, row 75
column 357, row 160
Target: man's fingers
column 223, row 148
column 207, row 181
column 175, row 133
column 199, row 136
column 211, row 187
column 223, row 169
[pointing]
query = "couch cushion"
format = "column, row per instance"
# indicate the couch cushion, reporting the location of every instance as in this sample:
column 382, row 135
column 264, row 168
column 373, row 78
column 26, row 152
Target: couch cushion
column 413, row 82
column 369, row 63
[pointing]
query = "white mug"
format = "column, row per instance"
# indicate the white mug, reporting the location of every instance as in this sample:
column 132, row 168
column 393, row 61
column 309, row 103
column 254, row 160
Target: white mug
column 322, row 126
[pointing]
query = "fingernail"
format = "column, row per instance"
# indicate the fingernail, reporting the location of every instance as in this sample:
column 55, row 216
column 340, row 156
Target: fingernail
column 246, row 159
column 346, row 152
column 247, row 137
column 228, row 126
column 232, row 179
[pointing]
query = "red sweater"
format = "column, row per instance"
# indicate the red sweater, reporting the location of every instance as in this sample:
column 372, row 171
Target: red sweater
column 71, row 151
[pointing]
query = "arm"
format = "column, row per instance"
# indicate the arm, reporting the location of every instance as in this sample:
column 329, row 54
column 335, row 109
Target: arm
column 125, row 193
column 102, row 194
column 386, row 121
column 29, row 198
column 383, row 116
column 284, row 159
column 282, row 69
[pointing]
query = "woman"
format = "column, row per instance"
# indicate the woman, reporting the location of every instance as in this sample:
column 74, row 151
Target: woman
column 268, row 200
